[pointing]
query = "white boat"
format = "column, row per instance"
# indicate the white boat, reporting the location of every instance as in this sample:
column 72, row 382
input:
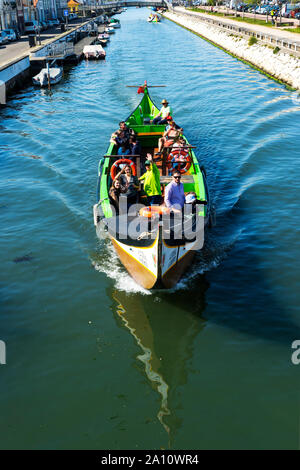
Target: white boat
column 48, row 76
column 102, row 36
column 109, row 30
column 94, row 51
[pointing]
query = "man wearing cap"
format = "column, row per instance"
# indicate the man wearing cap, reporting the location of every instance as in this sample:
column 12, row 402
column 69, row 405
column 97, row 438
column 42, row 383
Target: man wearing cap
column 151, row 182
column 165, row 111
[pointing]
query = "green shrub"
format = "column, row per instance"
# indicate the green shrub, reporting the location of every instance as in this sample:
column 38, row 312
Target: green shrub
column 252, row 40
column 276, row 50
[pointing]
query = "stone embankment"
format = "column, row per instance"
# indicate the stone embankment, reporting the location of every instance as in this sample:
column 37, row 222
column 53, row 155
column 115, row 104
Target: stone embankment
column 283, row 66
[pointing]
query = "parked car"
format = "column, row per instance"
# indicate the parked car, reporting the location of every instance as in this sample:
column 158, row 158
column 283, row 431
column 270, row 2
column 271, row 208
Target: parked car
column 293, row 12
column 3, row 38
column 44, row 25
column 297, row 16
column 11, row 35
column 18, row 34
column 31, row 27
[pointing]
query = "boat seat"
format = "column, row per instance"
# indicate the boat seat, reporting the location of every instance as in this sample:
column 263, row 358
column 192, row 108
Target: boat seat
column 184, row 179
column 149, row 133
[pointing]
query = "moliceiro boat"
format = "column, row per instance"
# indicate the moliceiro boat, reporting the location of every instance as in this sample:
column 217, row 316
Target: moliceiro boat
column 155, row 244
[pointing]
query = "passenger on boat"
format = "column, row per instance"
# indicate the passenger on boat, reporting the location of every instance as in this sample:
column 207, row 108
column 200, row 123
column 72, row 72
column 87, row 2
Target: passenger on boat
column 174, row 193
column 169, row 119
column 134, row 145
column 179, row 158
column 165, row 111
column 151, row 179
column 169, row 138
column 123, row 151
column 121, row 136
column 114, row 193
column 130, row 183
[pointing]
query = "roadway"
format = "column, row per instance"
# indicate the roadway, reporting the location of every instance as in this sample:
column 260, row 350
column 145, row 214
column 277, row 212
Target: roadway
column 15, row 50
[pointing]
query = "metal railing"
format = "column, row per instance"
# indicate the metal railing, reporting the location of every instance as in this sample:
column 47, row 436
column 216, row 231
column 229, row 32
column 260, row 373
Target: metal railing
column 62, row 49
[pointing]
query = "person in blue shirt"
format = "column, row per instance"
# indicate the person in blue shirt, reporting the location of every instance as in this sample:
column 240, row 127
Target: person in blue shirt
column 174, row 193
column 134, row 145
column 123, row 151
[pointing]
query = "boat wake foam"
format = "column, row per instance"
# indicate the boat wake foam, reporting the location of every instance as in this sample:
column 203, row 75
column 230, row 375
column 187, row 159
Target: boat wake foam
column 111, row 266
column 210, row 257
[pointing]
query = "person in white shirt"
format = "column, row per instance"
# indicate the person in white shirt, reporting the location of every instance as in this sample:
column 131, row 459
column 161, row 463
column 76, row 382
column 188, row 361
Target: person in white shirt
column 165, row 111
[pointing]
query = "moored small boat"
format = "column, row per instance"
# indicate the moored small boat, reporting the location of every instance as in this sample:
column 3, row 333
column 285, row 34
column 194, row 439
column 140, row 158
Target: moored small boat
column 94, row 51
column 48, row 76
column 155, row 245
column 110, row 30
column 103, row 36
column 114, row 23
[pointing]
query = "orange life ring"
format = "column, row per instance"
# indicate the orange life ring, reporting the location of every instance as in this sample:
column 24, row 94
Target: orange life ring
column 150, row 211
column 180, row 152
column 115, row 167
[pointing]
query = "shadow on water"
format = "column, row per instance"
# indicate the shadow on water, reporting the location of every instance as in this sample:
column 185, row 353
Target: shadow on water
column 165, row 349
column 167, row 324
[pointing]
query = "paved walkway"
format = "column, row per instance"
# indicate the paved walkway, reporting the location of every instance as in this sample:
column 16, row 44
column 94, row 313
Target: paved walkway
column 19, row 49
column 276, row 32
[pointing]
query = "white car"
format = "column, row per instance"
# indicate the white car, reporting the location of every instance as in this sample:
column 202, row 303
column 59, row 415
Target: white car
column 31, row 27
column 11, row 35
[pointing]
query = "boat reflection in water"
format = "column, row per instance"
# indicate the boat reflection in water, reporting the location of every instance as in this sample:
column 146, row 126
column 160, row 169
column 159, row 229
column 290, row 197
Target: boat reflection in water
column 166, row 339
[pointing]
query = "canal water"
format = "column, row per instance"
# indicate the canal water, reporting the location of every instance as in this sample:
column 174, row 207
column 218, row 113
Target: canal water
column 94, row 361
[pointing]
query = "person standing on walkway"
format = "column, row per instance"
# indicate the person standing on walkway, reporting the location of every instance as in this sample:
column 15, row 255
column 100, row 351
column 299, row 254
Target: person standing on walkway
column 272, row 16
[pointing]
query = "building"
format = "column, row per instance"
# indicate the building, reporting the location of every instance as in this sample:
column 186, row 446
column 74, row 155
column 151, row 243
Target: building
column 8, row 14
column 61, row 5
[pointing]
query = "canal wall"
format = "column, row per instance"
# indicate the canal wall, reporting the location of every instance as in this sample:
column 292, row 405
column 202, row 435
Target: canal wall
column 270, row 59
column 13, row 75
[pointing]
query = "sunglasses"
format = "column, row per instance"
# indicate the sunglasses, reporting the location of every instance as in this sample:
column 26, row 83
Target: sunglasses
column 177, row 177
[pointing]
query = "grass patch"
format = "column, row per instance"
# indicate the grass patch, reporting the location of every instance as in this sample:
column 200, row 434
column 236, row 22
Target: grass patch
column 251, row 21
column 293, row 30
column 201, row 10
column 252, row 40
column 235, row 18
